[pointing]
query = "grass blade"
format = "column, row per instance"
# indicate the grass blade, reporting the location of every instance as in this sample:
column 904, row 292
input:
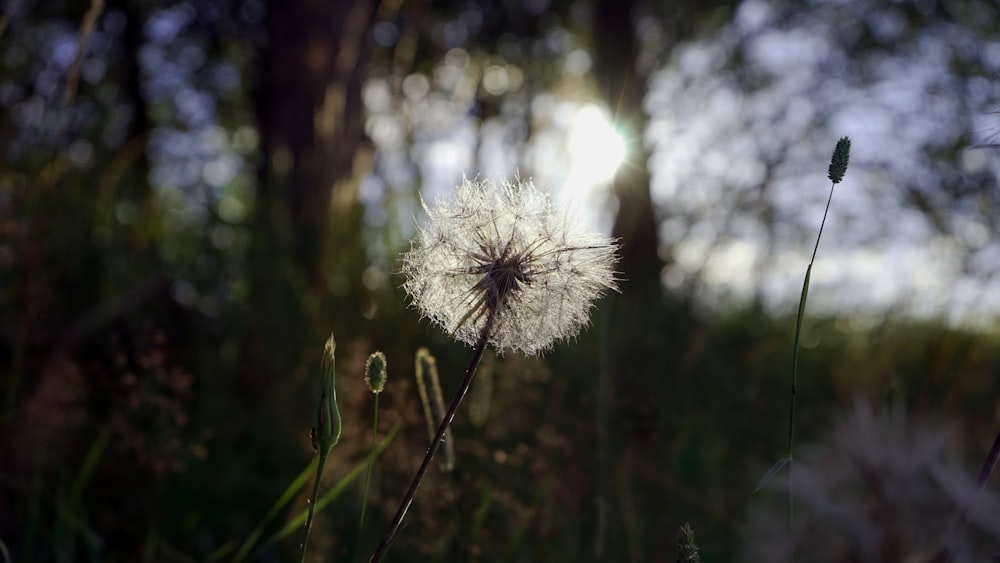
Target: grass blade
column 777, row 468
column 293, row 488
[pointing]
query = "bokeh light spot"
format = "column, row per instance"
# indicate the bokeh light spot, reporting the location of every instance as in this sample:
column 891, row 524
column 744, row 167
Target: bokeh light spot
column 596, row 148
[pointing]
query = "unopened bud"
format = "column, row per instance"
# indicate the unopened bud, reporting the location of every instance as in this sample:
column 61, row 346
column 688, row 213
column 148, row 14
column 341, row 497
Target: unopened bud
column 326, row 426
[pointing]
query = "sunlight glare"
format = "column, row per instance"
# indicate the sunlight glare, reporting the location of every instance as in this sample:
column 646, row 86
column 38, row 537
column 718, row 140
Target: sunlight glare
column 596, row 149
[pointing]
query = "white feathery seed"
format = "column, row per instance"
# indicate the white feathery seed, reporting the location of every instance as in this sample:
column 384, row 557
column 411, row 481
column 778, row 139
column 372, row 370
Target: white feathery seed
column 502, row 250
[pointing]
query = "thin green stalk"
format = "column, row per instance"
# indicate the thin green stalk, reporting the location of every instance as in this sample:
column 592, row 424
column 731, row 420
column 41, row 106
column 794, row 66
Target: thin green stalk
column 477, row 355
column 795, row 374
column 368, row 479
column 312, row 503
column 838, row 167
column 795, row 357
column 329, row 496
column 286, row 496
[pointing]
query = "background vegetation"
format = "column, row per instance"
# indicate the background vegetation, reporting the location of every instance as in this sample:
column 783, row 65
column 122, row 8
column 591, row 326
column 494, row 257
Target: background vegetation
column 193, row 195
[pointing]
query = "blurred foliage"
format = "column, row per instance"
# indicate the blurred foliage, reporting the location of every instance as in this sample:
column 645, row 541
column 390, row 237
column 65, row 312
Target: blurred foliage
column 194, row 195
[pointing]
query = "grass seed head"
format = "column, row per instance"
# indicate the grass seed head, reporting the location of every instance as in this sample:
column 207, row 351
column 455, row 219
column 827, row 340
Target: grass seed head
column 376, row 372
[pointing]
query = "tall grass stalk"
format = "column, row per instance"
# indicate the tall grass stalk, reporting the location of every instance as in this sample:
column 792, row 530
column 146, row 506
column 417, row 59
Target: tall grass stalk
column 368, row 476
column 376, row 374
column 838, row 166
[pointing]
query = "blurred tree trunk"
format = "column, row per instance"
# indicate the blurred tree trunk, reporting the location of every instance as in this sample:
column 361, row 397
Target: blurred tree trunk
column 627, row 391
column 616, row 48
column 648, row 330
column 311, row 123
column 310, row 114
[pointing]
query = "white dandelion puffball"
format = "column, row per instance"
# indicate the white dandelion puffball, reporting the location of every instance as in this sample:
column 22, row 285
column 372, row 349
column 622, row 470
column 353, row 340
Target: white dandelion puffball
column 501, row 253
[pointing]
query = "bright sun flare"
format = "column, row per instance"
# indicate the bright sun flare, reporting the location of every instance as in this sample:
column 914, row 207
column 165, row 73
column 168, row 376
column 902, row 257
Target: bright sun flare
column 596, row 149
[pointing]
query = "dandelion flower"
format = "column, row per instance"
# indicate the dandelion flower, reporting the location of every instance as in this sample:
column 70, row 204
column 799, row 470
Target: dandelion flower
column 496, row 266
column 880, row 489
column 500, row 255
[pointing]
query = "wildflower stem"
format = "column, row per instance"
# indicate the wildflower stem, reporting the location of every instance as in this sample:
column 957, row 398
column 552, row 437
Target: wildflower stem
column 323, row 453
column 477, row 355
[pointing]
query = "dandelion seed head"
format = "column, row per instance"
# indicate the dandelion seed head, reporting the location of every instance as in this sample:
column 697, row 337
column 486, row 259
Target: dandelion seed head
column 503, row 250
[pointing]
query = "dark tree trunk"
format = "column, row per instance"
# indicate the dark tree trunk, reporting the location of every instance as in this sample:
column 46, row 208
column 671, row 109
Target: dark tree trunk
column 647, row 329
column 310, row 114
column 616, row 48
column 311, row 123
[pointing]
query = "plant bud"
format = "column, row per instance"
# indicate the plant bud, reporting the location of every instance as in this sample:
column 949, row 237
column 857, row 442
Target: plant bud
column 326, row 425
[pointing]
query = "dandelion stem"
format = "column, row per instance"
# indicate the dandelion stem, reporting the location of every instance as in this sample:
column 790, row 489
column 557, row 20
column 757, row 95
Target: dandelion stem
column 477, row 355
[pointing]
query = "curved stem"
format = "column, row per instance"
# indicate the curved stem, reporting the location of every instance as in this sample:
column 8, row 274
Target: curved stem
column 477, row 355
column 795, row 360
